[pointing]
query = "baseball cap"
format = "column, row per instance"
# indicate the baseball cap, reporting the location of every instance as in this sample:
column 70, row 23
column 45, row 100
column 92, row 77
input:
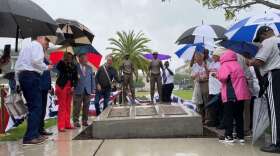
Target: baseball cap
column 261, row 31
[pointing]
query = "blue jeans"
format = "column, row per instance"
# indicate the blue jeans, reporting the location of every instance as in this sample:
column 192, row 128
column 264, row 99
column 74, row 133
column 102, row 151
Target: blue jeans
column 30, row 85
column 99, row 94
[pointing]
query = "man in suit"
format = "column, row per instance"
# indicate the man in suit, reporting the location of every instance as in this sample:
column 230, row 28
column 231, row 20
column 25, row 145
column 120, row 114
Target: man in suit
column 83, row 91
column 45, row 88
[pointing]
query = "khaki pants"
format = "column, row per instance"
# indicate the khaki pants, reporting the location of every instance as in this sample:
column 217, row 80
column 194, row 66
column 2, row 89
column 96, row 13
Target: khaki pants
column 204, row 89
column 128, row 83
column 247, row 117
column 78, row 100
column 156, row 79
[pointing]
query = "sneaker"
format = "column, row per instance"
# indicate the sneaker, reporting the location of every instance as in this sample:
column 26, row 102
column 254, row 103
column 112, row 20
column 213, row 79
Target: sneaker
column 271, row 149
column 226, row 139
column 36, row 141
column 239, row 140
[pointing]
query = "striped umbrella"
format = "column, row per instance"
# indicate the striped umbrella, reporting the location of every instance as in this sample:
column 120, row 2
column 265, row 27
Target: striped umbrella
column 186, row 52
column 246, row 29
column 75, row 32
column 203, row 33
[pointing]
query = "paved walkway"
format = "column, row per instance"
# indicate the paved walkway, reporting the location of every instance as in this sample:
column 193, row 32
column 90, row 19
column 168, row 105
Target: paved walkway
column 62, row 145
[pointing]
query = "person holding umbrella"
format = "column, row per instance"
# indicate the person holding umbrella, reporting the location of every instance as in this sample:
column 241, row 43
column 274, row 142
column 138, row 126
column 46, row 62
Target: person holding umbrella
column 268, row 61
column 155, row 76
column 29, row 67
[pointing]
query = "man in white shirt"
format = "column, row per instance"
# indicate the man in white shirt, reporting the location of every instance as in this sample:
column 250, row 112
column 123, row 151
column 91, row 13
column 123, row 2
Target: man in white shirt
column 29, row 67
column 268, row 61
column 168, row 83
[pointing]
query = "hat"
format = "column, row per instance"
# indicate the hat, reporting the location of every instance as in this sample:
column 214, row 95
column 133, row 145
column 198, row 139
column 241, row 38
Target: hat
column 219, row 51
column 155, row 53
column 261, row 31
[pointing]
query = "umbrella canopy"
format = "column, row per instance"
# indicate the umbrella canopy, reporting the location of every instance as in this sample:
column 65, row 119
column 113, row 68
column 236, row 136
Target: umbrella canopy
column 160, row 56
column 246, row 29
column 203, row 33
column 23, row 19
column 244, row 48
column 186, row 52
column 93, row 56
column 75, row 31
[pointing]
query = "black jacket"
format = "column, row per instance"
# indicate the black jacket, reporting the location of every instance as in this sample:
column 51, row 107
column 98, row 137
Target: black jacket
column 66, row 72
column 103, row 81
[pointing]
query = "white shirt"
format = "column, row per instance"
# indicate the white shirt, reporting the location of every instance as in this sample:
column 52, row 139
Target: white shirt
column 199, row 70
column 214, row 84
column 170, row 78
column 270, row 54
column 31, row 58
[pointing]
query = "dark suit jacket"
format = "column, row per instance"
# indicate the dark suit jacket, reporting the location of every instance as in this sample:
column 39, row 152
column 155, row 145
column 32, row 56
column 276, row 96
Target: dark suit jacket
column 46, row 82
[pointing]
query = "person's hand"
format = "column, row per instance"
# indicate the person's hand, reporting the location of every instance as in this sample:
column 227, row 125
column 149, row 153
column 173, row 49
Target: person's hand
column 250, row 62
column 98, row 87
column 147, row 79
column 50, row 67
column 214, row 75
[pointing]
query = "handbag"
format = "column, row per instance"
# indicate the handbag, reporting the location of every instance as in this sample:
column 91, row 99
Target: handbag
column 16, row 106
column 107, row 75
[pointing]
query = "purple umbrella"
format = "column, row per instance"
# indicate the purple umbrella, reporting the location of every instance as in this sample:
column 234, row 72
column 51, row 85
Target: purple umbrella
column 160, row 56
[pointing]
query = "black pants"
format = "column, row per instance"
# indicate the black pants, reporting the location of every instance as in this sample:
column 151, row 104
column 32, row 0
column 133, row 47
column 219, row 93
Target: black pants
column 166, row 92
column 233, row 111
column 44, row 107
column 274, row 104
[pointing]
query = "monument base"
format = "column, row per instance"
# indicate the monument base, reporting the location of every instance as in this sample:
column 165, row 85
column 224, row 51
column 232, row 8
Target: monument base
column 152, row 121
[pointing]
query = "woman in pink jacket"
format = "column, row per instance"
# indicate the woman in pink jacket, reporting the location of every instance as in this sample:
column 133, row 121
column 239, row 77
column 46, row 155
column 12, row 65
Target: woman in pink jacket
column 234, row 91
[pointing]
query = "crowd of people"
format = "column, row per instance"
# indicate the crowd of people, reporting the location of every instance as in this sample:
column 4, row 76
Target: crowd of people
column 226, row 85
column 77, row 82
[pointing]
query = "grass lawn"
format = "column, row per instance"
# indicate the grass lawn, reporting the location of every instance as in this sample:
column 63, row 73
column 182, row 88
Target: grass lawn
column 18, row 132
column 184, row 94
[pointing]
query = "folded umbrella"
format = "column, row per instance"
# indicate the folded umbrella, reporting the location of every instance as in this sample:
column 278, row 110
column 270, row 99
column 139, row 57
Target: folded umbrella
column 23, row 19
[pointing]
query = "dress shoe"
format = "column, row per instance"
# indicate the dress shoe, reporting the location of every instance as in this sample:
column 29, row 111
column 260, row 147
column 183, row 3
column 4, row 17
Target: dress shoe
column 85, row 124
column 71, row 127
column 46, row 133
column 271, row 149
column 77, row 124
column 35, row 141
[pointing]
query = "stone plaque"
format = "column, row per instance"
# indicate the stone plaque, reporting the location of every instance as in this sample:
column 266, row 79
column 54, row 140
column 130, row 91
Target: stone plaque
column 173, row 110
column 146, row 111
column 119, row 112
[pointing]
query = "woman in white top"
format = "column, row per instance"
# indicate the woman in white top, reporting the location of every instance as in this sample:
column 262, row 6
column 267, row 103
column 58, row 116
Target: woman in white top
column 200, row 76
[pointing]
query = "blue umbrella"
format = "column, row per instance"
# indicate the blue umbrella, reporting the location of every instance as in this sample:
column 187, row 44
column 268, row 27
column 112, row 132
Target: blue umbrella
column 187, row 52
column 246, row 29
column 241, row 47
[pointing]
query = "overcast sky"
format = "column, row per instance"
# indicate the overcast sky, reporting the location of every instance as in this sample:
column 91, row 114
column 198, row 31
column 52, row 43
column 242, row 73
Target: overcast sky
column 162, row 22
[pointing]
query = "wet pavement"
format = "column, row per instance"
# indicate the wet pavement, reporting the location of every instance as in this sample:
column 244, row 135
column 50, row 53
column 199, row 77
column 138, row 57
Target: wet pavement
column 62, row 145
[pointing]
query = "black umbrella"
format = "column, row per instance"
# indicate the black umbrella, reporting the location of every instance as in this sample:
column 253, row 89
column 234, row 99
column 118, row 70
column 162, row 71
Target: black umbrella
column 202, row 33
column 23, row 19
column 75, row 32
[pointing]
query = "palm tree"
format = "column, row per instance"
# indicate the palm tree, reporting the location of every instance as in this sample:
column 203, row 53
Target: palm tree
column 133, row 44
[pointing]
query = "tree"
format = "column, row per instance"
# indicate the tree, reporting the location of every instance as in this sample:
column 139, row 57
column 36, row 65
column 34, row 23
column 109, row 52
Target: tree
column 133, row 44
column 232, row 7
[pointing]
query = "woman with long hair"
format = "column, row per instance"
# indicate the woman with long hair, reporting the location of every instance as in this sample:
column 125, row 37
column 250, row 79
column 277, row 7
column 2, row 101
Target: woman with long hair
column 65, row 83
